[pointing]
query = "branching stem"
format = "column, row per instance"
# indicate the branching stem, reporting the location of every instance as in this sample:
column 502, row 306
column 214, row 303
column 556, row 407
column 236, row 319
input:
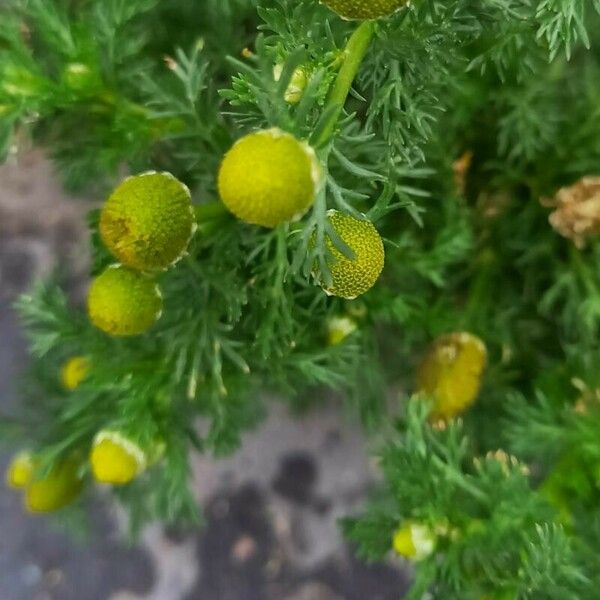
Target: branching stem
column 355, row 51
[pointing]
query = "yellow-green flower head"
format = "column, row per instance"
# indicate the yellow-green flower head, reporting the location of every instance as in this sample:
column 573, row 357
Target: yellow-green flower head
column 148, row 221
column 362, row 10
column 122, row 302
column 339, row 328
column 451, row 373
column 269, row 177
column 414, row 541
column 74, row 371
column 20, row 470
column 357, row 275
column 57, row 489
column 115, row 459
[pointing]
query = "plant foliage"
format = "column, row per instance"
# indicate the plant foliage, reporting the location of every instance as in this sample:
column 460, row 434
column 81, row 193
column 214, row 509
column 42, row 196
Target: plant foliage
column 461, row 116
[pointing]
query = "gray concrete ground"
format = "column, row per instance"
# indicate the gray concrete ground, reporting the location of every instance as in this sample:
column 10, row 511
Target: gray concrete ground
column 271, row 509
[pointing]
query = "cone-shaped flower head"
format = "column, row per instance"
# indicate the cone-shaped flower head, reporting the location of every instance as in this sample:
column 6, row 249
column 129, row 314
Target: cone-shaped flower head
column 115, row 458
column 360, row 10
column 414, row 541
column 122, row 302
column 269, row 177
column 357, row 275
column 148, row 221
column 74, row 371
column 451, row 373
column 56, row 489
column 20, row 470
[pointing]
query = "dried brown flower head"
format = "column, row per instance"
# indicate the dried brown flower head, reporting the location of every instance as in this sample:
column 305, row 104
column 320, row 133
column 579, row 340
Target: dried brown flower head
column 576, row 213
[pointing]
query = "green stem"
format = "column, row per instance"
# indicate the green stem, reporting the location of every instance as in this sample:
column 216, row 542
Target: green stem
column 355, row 51
column 480, row 287
column 583, row 271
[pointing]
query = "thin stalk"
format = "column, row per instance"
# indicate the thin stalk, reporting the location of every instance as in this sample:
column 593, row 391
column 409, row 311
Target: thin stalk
column 583, row 271
column 354, row 53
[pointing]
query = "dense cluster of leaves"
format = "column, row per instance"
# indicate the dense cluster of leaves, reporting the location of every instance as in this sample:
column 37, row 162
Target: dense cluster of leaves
column 513, row 83
column 497, row 535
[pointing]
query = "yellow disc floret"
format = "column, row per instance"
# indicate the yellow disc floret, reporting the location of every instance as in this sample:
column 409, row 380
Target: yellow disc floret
column 147, row 222
column 353, row 276
column 414, row 541
column 364, row 9
column 123, row 302
column 60, row 486
column 268, row 178
column 74, row 371
column 451, row 373
column 115, row 459
column 20, row 470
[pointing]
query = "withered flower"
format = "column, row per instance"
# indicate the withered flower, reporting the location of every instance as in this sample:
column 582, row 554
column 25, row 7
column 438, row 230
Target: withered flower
column 576, row 213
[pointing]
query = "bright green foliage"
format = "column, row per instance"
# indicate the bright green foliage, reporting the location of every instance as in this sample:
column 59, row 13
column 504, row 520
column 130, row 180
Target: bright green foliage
column 496, row 537
column 388, row 108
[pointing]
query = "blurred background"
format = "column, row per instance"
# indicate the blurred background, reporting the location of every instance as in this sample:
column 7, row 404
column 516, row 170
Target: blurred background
column 271, row 510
